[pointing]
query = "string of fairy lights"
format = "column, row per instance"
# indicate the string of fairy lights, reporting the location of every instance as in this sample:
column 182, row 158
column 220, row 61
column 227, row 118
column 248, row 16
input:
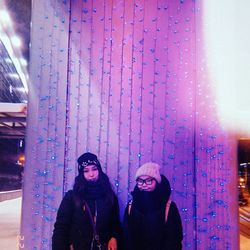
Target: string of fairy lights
column 128, row 85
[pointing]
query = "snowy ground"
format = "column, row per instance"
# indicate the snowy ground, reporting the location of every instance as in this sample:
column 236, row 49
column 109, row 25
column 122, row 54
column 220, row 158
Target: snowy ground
column 10, row 212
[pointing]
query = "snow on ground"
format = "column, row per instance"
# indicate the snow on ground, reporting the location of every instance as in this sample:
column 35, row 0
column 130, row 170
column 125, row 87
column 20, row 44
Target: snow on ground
column 10, row 214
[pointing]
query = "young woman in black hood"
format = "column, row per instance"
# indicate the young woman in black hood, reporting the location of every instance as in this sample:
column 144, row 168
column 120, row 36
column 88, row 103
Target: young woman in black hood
column 152, row 221
column 91, row 200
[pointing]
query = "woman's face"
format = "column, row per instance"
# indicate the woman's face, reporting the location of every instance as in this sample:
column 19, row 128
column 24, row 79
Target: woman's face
column 146, row 183
column 91, row 173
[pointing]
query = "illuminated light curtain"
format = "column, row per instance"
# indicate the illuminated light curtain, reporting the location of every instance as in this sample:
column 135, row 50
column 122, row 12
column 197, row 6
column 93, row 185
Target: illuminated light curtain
column 216, row 191
column 127, row 81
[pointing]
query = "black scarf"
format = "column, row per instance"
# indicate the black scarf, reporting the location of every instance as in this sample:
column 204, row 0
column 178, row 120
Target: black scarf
column 148, row 201
column 94, row 190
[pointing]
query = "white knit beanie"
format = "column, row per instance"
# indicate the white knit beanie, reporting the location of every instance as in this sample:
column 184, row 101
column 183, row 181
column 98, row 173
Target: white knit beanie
column 151, row 169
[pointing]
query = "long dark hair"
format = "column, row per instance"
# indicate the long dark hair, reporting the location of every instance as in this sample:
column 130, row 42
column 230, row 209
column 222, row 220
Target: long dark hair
column 79, row 188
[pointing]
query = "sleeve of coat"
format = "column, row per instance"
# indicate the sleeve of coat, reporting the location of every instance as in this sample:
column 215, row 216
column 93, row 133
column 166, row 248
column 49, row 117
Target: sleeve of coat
column 116, row 228
column 174, row 234
column 61, row 233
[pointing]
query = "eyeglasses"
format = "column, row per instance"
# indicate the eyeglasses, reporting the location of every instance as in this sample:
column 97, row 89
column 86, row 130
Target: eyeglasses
column 148, row 181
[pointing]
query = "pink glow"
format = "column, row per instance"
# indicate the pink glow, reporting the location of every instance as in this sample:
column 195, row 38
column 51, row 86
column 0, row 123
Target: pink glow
column 128, row 82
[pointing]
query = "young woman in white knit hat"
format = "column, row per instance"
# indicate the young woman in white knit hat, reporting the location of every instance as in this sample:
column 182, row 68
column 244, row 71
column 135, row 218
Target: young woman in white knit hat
column 152, row 221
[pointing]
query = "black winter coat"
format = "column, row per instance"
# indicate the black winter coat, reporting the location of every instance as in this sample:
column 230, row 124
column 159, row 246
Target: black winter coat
column 73, row 225
column 144, row 225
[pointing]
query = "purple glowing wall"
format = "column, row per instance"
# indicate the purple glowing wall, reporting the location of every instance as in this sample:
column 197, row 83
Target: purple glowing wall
column 126, row 80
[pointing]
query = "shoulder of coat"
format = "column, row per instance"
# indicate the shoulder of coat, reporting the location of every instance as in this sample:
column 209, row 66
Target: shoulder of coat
column 68, row 194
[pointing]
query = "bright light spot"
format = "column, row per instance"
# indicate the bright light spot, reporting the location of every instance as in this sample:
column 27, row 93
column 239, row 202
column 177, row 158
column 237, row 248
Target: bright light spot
column 16, row 41
column 8, row 60
column 23, row 62
column 21, row 90
column 227, row 39
column 5, row 17
column 12, row 46
column 13, row 75
column 21, row 160
column 22, row 76
column 11, row 89
column 7, row 44
column 243, row 164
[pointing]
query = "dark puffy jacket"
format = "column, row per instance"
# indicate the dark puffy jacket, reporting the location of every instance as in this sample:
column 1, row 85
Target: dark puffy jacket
column 145, row 227
column 73, row 225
